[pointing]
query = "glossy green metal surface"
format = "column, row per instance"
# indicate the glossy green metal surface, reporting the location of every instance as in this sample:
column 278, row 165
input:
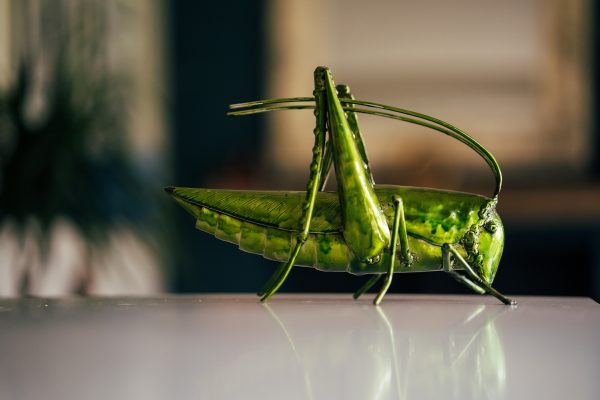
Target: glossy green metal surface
column 265, row 222
column 365, row 229
column 362, row 228
column 438, row 216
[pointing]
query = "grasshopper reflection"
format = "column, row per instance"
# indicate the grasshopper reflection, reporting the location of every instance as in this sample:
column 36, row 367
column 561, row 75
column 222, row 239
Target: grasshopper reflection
column 460, row 358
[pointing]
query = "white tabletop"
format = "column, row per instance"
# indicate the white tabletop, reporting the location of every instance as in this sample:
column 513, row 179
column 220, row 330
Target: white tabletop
column 299, row 347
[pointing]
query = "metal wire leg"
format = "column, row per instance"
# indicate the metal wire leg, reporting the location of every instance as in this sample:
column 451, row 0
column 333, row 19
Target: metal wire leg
column 373, row 280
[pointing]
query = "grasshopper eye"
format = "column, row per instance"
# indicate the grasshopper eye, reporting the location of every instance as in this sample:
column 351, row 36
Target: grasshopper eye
column 374, row 259
column 469, row 238
column 491, row 227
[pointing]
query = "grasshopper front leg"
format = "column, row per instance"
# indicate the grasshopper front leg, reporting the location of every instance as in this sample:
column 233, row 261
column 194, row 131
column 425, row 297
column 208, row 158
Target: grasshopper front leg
column 398, row 232
column 480, row 286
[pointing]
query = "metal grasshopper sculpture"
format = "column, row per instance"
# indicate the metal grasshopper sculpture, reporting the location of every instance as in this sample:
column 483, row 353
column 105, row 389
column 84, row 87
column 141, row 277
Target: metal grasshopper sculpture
column 362, row 228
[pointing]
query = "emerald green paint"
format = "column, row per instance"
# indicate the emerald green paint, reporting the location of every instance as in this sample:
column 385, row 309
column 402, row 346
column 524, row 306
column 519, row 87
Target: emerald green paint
column 491, row 245
column 278, row 245
column 207, row 220
column 252, row 238
column 228, row 229
column 349, row 230
column 308, row 253
column 265, row 212
column 344, row 94
column 423, row 209
column 364, row 226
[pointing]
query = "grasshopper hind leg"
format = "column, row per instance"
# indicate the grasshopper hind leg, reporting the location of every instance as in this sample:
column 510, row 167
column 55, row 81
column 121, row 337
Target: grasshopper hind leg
column 344, row 93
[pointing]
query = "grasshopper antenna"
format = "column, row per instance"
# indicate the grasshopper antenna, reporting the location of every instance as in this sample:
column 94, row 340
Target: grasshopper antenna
column 382, row 110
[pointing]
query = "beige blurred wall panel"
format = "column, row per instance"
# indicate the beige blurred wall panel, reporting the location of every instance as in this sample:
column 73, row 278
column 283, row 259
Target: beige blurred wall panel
column 293, row 34
column 5, row 40
column 137, row 49
column 510, row 73
column 135, row 46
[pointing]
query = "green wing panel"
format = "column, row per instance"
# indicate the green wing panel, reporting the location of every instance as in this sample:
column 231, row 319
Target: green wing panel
column 437, row 216
column 271, row 208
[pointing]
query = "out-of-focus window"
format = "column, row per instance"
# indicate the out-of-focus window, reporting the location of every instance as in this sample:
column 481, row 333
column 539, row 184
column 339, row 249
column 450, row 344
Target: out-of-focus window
column 511, row 73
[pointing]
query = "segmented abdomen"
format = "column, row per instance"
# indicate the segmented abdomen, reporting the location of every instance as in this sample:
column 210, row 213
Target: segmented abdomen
column 324, row 251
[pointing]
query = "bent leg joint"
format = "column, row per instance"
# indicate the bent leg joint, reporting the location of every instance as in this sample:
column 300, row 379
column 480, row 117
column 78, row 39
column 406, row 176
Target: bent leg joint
column 302, row 237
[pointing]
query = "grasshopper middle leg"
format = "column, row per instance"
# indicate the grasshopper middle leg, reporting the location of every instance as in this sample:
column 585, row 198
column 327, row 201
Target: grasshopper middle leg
column 398, row 231
column 364, row 288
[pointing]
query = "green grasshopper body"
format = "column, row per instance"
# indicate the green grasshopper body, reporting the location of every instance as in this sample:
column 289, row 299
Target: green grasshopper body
column 266, row 223
column 352, row 230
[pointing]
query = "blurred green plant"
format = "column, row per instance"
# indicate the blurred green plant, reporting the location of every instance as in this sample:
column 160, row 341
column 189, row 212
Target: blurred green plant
column 64, row 156
column 72, row 161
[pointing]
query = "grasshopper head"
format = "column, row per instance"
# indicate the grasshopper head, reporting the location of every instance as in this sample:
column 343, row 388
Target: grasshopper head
column 491, row 244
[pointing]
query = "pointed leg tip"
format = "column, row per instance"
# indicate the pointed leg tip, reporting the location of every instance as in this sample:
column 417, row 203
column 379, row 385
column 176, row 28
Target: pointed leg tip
column 508, row 302
column 267, row 296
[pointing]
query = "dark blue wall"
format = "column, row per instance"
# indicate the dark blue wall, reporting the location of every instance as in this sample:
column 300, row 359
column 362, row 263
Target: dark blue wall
column 217, row 58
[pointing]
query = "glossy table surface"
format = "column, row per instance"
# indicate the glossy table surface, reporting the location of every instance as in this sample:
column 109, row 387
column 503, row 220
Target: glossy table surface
column 299, row 347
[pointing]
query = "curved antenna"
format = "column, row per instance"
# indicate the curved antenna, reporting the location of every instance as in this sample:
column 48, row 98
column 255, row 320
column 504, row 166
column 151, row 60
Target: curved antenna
column 269, row 101
column 269, row 108
column 433, row 123
column 456, row 134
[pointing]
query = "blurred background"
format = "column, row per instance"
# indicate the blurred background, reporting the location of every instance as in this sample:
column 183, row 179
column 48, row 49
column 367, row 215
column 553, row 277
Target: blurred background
column 105, row 102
